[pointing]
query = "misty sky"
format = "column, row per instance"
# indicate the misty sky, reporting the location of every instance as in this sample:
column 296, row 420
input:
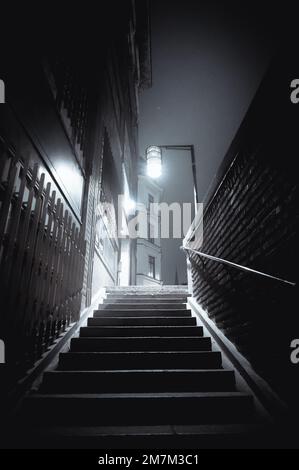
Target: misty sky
column 208, row 61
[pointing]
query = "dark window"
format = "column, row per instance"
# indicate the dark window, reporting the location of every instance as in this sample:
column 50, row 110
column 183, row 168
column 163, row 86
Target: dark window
column 71, row 97
column 152, row 266
column 150, row 201
column 150, row 233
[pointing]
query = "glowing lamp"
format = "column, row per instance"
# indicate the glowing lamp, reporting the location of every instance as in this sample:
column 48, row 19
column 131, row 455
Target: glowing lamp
column 154, row 161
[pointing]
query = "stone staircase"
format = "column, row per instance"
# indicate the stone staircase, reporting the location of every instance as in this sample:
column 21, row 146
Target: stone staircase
column 141, row 374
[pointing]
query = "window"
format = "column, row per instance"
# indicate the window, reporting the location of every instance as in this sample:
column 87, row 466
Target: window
column 70, row 92
column 150, row 233
column 152, row 267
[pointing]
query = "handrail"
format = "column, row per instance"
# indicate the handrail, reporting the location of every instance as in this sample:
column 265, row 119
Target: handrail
column 238, row 266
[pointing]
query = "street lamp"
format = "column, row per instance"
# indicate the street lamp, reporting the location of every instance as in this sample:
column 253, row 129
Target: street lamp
column 154, row 162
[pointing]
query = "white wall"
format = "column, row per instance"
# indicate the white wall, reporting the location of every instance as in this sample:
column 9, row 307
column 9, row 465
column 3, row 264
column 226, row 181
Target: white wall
column 124, row 265
column 101, row 277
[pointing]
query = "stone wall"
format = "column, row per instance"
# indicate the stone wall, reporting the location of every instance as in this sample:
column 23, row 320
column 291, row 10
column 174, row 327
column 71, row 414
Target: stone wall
column 251, row 218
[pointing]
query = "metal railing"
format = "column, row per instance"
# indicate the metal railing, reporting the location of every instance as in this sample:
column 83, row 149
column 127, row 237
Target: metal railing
column 42, row 254
column 238, row 266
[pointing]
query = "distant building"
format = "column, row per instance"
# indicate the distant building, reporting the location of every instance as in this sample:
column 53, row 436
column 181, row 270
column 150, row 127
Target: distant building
column 149, row 247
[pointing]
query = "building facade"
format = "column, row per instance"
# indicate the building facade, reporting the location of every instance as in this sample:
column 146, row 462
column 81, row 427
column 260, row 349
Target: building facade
column 68, row 143
column 149, row 243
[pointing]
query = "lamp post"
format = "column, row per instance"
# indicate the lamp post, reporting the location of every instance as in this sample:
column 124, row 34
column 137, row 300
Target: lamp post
column 154, row 163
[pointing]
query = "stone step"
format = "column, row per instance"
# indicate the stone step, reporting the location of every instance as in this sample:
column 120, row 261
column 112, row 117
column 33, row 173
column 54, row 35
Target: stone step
column 140, row 331
column 144, row 300
column 205, row 436
column 139, row 409
column 136, row 381
column 140, row 360
column 141, row 313
column 188, row 343
column 147, row 289
column 142, row 306
column 181, row 297
column 141, row 321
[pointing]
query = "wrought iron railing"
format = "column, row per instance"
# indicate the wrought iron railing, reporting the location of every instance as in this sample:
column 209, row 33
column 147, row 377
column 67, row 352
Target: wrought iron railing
column 42, row 254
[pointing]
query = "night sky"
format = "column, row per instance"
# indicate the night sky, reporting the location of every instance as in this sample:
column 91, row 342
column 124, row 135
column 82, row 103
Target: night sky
column 208, row 60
